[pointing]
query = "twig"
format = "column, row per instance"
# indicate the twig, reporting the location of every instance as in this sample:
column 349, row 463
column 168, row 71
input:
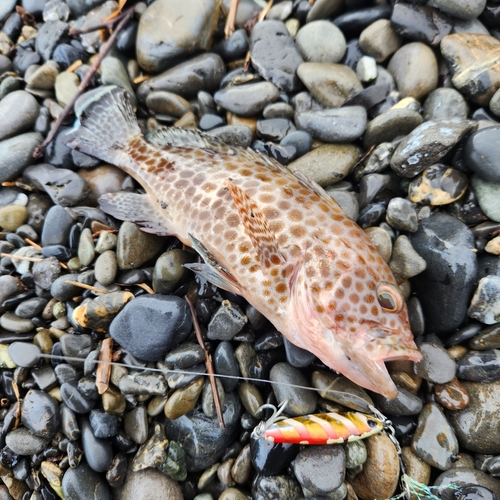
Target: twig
column 32, row 243
column 108, row 24
column 208, row 364
column 103, row 372
column 85, row 82
column 30, row 259
column 231, row 18
column 74, row 66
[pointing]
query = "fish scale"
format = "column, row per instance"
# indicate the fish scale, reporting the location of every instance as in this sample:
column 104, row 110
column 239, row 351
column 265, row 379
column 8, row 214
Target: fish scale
column 265, row 233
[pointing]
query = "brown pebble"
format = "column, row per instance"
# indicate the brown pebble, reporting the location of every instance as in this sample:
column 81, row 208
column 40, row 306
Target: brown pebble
column 224, row 472
column 183, row 400
column 457, row 351
column 242, row 467
column 415, row 467
column 380, row 474
column 452, row 395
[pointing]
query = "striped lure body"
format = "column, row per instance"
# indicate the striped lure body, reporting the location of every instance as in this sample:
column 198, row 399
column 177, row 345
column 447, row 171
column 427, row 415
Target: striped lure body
column 323, row 428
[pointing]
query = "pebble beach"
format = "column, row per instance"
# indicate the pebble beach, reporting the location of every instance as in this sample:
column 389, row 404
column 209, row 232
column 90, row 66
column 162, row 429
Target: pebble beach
column 393, row 108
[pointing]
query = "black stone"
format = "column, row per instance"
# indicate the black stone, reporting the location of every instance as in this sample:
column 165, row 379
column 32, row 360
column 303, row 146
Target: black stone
column 74, row 399
column 354, row 22
column 82, row 483
column 480, row 366
column 234, row 47
column 40, row 414
column 150, row 326
column 49, row 36
column 270, row 458
column 446, row 286
column 482, row 153
column 98, row 452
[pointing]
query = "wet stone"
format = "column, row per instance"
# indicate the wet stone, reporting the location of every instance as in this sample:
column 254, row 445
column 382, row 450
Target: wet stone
column 487, row 338
column 40, row 414
column 420, row 23
column 278, row 65
column 434, row 440
column 479, row 366
column 405, row 403
column 485, row 304
column 481, row 153
column 201, row 437
column 427, row 144
column 379, row 40
column 487, row 194
column 188, row 78
column 66, row 188
column 49, row 36
column 473, row 60
column 445, row 103
column 134, row 247
column 320, row 470
column 16, row 154
column 74, row 399
column 264, row 487
column 233, row 47
column 334, row 125
column 401, row 214
column 104, row 425
column 327, row 164
column 330, row 84
column 247, row 100
column 82, row 483
column 274, row 129
column 98, row 452
column 14, row 323
column 464, row 476
column 150, row 326
column 31, row 307
column 136, row 424
column 226, row 322
column 169, row 271
column 477, row 424
column 225, row 364
column 446, row 245
column 22, row 442
column 438, row 185
column 185, row 356
column 106, row 268
column 160, row 45
column 301, row 401
column 183, row 400
column 380, row 473
column 436, row 365
column 451, row 396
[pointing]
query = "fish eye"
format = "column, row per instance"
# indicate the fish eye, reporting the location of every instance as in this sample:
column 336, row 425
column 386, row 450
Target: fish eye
column 371, row 423
column 389, row 298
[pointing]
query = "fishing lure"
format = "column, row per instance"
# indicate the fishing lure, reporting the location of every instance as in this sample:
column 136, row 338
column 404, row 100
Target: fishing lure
column 321, row 428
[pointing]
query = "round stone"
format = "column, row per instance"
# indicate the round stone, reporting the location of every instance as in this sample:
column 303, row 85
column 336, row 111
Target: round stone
column 321, row 41
column 414, row 68
column 19, row 110
column 40, row 414
column 150, row 326
column 159, row 45
column 12, row 217
column 445, row 103
column 482, row 153
column 379, row 40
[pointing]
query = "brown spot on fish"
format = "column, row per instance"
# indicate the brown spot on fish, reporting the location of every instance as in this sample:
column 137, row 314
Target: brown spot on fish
column 298, row 231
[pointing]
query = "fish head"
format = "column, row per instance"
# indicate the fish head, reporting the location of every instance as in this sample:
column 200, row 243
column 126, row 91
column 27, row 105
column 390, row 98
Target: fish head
column 355, row 322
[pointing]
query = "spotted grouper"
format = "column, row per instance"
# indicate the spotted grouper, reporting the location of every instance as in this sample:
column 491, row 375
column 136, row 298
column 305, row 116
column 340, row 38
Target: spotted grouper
column 268, row 234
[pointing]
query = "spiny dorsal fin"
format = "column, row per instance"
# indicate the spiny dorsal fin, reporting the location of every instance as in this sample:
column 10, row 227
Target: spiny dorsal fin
column 311, row 184
column 187, row 138
column 212, row 270
column 165, row 137
column 136, row 208
column 257, row 228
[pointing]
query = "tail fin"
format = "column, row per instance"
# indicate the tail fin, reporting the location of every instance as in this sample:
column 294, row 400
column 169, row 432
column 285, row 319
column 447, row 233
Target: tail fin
column 107, row 125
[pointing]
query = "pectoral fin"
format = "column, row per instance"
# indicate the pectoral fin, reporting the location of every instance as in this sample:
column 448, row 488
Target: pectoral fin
column 136, row 208
column 257, row 228
column 212, row 270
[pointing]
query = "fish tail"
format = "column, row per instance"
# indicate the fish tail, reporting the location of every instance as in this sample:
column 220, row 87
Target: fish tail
column 107, row 125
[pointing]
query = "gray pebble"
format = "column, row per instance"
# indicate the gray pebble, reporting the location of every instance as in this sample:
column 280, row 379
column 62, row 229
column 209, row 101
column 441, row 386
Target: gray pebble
column 445, row 103
column 46, row 272
column 436, row 365
column 20, row 111
column 488, row 197
column 300, row 401
column 40, row 414
column 14, row 323
column 31, row 307
column 321, row 41
column 334, row 125
column 379, row 40
column 24, row 354
column 22, row 442
column 226, row 322
column 82, row 483
column 106, row 268
column 463, row 9
column 136, row 424
column 86, row 248
column 401, row 214
column 63, row 291
column 16, row 154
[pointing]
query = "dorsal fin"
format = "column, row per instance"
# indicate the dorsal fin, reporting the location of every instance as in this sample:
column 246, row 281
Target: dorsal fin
column 165, row 137
column 187, row 138
column 257, row 228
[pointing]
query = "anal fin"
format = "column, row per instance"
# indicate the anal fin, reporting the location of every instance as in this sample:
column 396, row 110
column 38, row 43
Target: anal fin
column 212, row 270
column 257, row 228
column 135, row 208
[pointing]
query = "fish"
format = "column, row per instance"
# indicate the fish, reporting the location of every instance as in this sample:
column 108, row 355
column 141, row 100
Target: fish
column 268, row 234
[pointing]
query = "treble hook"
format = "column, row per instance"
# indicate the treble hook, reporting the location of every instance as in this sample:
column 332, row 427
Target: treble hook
column 261, row 428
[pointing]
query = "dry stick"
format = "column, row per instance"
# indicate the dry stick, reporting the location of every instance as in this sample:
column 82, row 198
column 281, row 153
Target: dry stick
column 208, row 363
column 103, row 372
column 231, row 18
column 87, row 287
column 108, row 24
column 81, row 88
column 30, row 259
